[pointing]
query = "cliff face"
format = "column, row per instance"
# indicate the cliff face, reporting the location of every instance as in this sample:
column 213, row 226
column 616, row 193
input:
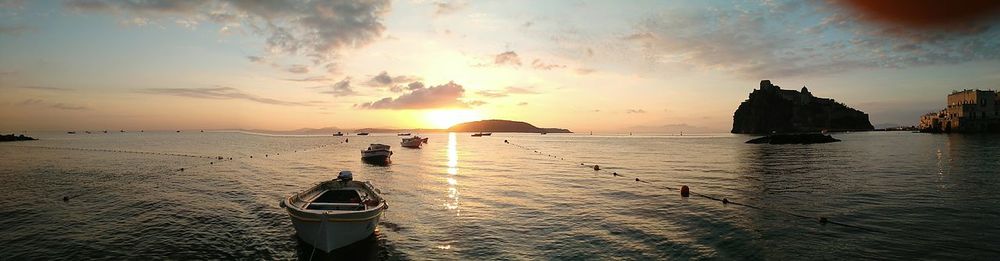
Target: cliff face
column 502, row 126
column 771, row 109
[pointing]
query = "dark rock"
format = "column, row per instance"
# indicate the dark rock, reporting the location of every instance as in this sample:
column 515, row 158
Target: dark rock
column 12, row 137
column 773, row 110
column 807, row 138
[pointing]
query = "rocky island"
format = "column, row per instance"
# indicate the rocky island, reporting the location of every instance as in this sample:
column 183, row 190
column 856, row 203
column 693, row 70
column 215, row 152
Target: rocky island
column 773, row 110
column 502, row 126
column 12, row 137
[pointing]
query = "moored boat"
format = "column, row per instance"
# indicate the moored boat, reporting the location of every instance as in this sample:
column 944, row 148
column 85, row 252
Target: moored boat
column 403, row 134
column 482, row 134
column 338, row 134
column 413, row 142
column 376, row 152
column 362, row 134
column 335, row 213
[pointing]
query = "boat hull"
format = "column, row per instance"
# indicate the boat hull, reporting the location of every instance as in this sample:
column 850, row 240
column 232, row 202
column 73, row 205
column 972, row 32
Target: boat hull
column 334, row 231
column 379, row 155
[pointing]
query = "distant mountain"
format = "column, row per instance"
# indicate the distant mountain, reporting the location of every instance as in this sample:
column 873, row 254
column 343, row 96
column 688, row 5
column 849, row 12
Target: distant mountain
column 673, row 128
column 502, row 126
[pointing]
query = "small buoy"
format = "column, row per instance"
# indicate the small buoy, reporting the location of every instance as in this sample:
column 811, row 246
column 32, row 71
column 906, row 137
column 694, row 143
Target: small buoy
column 211, row 163
column 251, row 156
column 822, row 220
column 505, row 141
column 685, row 191
column 581, row 164
column 636, row 179
column 182, row 169
column 725, row 201
column 265, row 155
column 65, row 198
column 598, row 167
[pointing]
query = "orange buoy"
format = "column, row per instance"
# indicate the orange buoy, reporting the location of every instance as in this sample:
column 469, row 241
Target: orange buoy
column 685, row 191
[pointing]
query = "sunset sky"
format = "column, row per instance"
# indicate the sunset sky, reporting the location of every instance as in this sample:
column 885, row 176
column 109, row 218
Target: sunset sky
column 598, row 66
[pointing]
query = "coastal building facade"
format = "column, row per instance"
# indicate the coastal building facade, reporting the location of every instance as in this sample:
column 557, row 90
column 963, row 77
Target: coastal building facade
column 967, row 111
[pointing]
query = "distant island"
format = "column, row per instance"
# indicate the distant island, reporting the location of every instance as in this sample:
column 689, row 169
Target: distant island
column 773, row 110
column 502, row 126
column 12, row 137
column 475, row 126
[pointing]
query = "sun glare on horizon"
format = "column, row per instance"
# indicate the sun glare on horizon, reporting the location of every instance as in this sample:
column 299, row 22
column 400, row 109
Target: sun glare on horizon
column 443, row 119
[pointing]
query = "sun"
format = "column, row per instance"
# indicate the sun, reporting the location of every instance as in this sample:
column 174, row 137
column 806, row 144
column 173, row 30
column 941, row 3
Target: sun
column 442, row 119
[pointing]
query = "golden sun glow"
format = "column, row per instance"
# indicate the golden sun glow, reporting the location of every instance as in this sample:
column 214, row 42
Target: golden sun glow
column 442, row 119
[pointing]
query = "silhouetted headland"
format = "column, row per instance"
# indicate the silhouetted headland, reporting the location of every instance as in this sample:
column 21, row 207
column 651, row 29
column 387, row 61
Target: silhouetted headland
column 12, row 137
column 773, row 110
column 502, row 126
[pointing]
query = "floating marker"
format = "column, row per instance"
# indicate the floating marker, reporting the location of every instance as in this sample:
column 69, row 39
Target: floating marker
column 65, row 198
column 725, row 201
column 598, row 167
column 685, row 191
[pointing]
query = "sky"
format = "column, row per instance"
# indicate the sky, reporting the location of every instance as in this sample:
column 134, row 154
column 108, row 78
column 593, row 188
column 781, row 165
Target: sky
column 602, row 66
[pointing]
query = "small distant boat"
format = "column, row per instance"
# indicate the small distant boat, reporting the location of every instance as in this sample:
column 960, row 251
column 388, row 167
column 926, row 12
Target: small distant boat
column 70, row 132
column 105, row 131
column 413, row 142
column 335, row 213
column 178, row 131
column 87, row 132
column 403, row 134
column 362, row 134
column 338, row 134
column 481, row 134
column 543, row 133
column 376, row 153
column 122, row 131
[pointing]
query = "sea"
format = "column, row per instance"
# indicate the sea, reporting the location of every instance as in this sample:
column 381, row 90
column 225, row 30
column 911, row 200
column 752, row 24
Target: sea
column 875, row 195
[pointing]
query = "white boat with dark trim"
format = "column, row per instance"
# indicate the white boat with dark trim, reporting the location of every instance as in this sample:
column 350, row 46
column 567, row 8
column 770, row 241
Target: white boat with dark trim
column 376, row 152
column 412, row 142
column 335, row 213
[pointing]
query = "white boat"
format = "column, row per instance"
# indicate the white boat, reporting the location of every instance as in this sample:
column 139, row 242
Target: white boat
column 335, row 213
column 376, row 152
column 413, row 142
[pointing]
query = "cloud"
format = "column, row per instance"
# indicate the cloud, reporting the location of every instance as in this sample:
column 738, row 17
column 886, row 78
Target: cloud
column 298, row 68
column 58, row 105
column 339, row 89
column 442, row 96
column 309, row 79
column 584, row 71
column 315, row 29
column 538, row 64
column 507, row 58
column 15, row 30
column 450, row 7
column 255, row 59
column 44, row 88
column 631, row 111
column 384, row 80
column 791, row 38
column 506, row 92
column 218, row 93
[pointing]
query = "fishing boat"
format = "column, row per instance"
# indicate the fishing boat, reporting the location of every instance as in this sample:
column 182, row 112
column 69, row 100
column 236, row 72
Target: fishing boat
column 413, row 142
column 481, row 134
column 70, row 132
column 338, row 134
column 403, row 134
column 362, row 134
column 335, row 213
column 376, row 152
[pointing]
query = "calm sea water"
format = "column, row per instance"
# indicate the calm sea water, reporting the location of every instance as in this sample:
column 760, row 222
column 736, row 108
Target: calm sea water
column 919, row 195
